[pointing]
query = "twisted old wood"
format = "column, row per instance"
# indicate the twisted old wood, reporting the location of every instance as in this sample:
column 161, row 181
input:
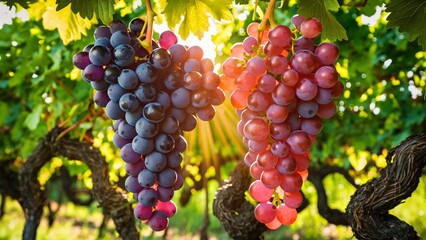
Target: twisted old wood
column 368, row 209
column 34, row 199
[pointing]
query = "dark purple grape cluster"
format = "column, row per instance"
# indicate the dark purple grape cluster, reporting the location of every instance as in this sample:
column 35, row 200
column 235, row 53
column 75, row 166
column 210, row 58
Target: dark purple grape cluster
column 153, row 97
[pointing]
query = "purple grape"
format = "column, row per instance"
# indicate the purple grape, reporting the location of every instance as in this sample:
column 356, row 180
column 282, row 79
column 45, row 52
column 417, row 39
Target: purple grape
column 158, row 221
column 146, row 129
column 101, row 98
column 147, row 178
column 132, row 184
column 148, row 197
column 142, row 145
column 124, row 55
column 81, row 60
column 155, row 161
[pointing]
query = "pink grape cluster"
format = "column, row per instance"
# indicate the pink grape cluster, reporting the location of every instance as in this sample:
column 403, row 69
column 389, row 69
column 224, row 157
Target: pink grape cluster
column 281, row 88
column 153, row 97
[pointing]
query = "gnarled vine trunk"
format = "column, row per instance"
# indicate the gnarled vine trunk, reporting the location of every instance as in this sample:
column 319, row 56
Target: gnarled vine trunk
column 368, row 209
column 34, row 199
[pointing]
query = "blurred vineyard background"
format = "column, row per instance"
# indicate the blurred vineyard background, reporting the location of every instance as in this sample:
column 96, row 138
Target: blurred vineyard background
column 383, row 103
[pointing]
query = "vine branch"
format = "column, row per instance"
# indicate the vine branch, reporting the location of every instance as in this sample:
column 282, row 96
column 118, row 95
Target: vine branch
column 150, row 19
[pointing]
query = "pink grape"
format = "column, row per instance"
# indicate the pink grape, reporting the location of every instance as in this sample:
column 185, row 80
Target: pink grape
column 327, row 53
column 280, row 35
column 271, row 49
column 237, row 50
column 266, row 83
column 306, row 89
column 304, row 43
column 277, row 113
column 327, row 110
column 255, row 171
column 277, row 64
column 290, row 77
column 338, row 89
column 291, row 182
column 283, row 95
column 299, row 142
column 167, row 39
column 258, row 146
column 311, row 28
column 256, row 129
column 303, row 162
column 259, row 192
column 239, row 99
column 266, row 160
column 257, row 101
column 279, row 131
column 326, row 77
column 304, row 61
column 286, row 165
column 195, row 52
column 274, row 224
column 297, row 20
column 246, row 81
column 271, row 178
column 250, row 45
column 231, row 67
column 265, row 212
column 256, row 66
column 250, row 158
column 280, row 149
column 169, row 208
column 142, row 213
column 286, row 215
column 311, row 126
column 293, row 200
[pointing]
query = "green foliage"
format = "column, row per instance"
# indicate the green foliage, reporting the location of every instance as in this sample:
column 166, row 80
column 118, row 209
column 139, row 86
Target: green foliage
column 23, row 3
column 103, row 9
column 409, row 16
column 320, row 9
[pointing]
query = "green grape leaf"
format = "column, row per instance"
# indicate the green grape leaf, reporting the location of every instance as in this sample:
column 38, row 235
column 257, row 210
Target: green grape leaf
column 331, row 28
column 24, row 3
column 409, row 16
column 33, row 119
column 103, row 9
column 241, row 1
column 195, row 15
column 332, row 5
column 370, row 8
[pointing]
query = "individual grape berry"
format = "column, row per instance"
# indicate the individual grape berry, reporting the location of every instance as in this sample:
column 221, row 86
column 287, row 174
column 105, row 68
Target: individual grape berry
column 160, row 58
column 167, row 39
column 311, row 27
column 100, row 55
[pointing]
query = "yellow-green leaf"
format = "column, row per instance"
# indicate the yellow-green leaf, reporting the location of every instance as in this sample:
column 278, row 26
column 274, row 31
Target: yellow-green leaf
column 192, row 15
column 70, row 26
column 33, row 119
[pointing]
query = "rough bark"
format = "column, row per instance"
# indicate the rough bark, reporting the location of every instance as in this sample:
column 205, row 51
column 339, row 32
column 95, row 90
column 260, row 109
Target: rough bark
column 368, row 209
column 233, row 210
column 112, row 201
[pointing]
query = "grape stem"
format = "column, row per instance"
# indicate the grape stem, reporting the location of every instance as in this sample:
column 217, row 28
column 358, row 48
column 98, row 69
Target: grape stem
column 267, row 16
column 150, row 19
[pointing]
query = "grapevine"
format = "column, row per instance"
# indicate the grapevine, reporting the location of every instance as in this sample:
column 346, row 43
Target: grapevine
column 282, row 86
column 153, row 97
